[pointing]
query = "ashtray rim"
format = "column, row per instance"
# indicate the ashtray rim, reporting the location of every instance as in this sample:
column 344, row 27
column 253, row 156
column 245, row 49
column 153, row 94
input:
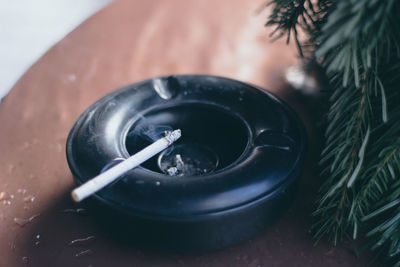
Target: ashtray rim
column 292, row 174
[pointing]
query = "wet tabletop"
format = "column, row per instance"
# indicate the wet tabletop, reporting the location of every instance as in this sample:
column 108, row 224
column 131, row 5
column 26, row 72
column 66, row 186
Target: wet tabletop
column 126, row 42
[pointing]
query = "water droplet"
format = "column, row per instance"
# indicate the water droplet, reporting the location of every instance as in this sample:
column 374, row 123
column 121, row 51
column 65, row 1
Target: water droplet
column 25, row 259
column 29, row 198
column 38, row 236
column 82, row 241
column 24, row 221
column 83, row 253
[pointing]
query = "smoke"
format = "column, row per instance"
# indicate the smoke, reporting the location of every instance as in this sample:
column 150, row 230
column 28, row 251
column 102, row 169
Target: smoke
column 149, row 133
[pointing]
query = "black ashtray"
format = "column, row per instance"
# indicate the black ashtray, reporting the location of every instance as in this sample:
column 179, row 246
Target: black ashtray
column 233, row 172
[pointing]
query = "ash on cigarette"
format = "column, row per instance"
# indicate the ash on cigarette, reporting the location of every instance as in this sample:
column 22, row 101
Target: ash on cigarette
column 142, row 135
column 149, row 133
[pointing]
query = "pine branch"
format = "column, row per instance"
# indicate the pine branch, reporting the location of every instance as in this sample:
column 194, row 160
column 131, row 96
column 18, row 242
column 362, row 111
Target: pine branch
column 378, row 196
column 344, row 160
column 351, row 48
column 384, row 169
column 358, row 43
column 356, row 33
column 293, row 16
column 386, row 233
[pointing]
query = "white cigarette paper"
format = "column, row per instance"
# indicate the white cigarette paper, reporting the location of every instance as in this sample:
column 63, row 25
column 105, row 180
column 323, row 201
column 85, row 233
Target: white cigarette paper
column 112, row 174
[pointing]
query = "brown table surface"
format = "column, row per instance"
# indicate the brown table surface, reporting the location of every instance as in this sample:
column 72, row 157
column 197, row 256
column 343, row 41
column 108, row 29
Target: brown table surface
column 126, row 42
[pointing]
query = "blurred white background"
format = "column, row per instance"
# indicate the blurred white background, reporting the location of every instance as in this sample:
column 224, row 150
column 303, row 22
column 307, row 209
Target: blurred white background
column 28, row 28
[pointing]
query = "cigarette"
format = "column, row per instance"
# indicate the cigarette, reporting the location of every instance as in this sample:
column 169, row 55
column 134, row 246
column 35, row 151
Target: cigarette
column 112, row 174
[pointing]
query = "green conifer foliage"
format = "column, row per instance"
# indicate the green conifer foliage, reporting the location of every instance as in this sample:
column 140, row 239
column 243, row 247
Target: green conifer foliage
column 357, row 42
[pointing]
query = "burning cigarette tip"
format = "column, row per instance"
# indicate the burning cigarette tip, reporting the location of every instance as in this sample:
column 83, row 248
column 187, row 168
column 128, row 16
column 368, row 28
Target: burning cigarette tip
column 173, row 136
